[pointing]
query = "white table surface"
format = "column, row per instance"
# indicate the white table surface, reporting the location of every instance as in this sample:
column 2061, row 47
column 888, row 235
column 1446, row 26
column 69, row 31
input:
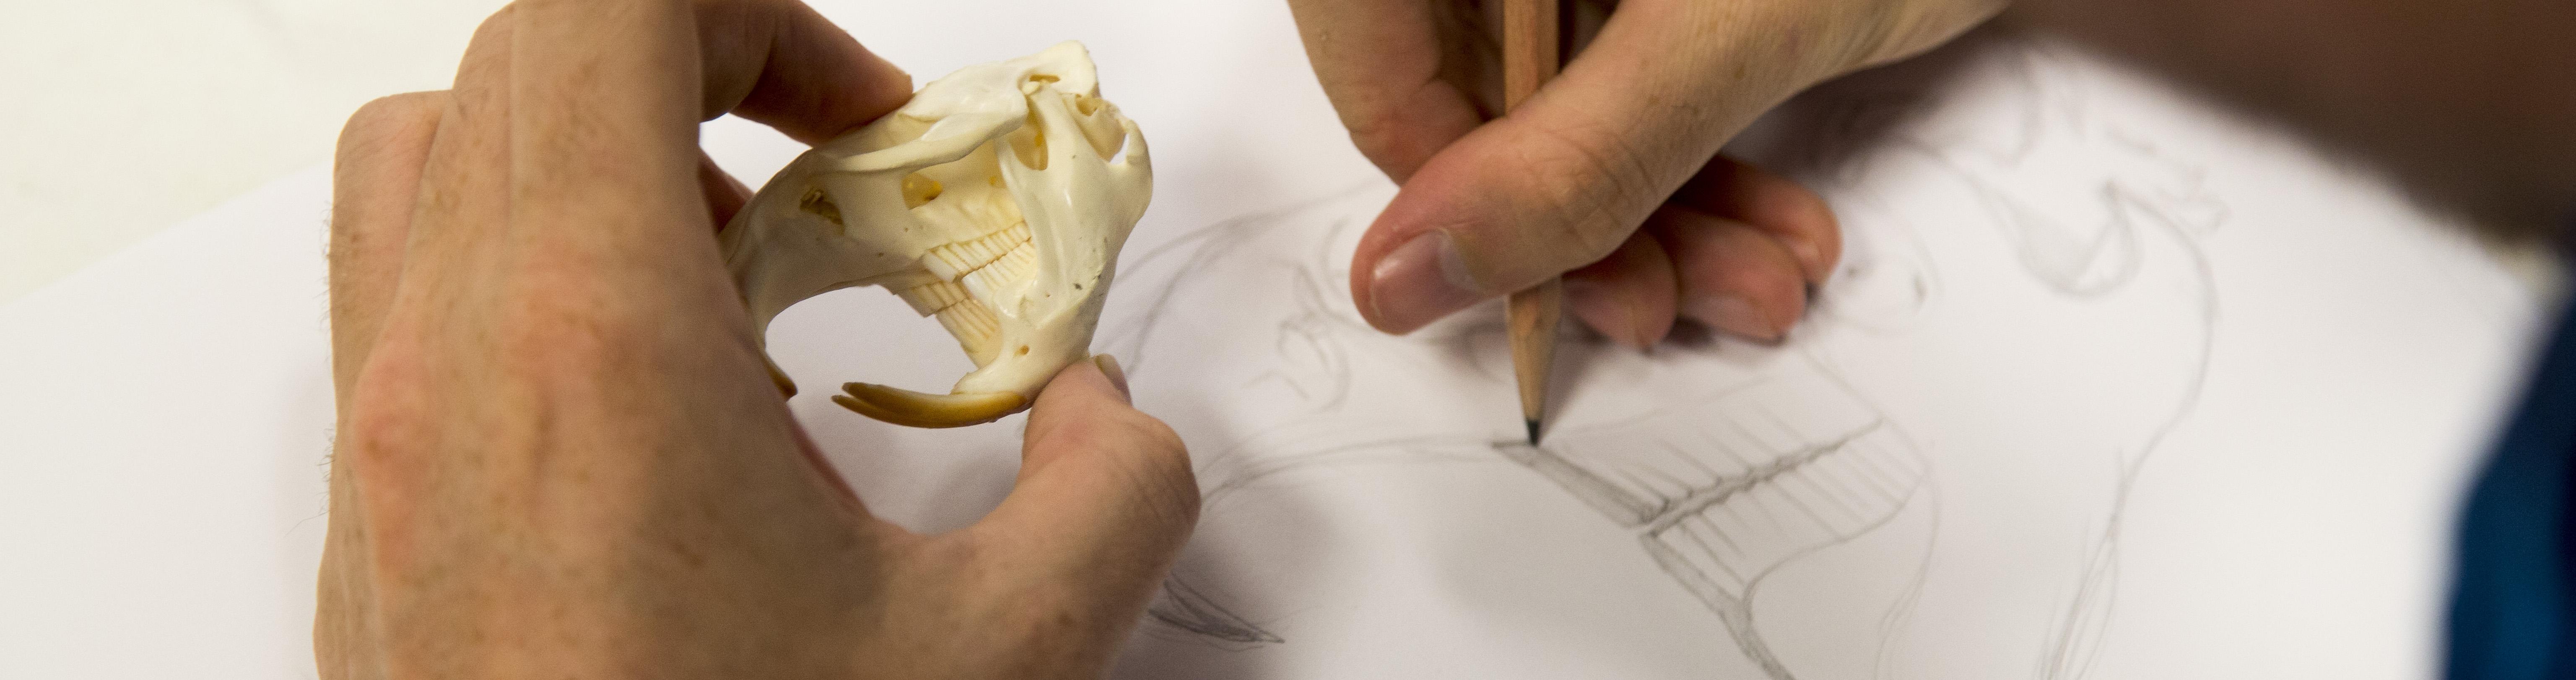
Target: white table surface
column 122, row 117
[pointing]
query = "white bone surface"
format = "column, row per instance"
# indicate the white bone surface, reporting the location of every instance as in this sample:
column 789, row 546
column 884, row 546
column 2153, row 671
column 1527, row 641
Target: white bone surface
column 991, row 200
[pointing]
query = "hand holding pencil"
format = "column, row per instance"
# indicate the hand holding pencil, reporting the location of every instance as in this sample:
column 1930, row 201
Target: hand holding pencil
column 1609, row 176
column 1530, row 57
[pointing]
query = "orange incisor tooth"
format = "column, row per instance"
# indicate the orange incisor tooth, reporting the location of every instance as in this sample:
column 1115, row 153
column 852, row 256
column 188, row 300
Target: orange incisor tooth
column 915, row 409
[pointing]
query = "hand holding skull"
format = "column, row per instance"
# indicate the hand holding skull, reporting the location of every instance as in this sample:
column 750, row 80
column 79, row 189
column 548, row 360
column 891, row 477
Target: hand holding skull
column 990, row 201
column 557, row 455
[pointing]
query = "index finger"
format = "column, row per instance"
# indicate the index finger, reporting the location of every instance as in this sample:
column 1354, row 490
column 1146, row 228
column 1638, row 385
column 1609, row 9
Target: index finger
column 1392, row 75
column 778, row 63
column 584, row 113
column 605, row 79
column 1563, row 179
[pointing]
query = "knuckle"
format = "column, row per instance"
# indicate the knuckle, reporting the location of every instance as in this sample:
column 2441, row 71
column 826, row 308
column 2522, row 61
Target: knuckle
column 1374, row 127
column 386, row 412
column 1168, row 479
column 385, row 132
column 1398, row 121
column 383, row 121
column 1380, row 139
column 1148, row 455
column 369, row 118
column 495, row 29
column 488, row 50
column 1160, row 445
column 1593, row 197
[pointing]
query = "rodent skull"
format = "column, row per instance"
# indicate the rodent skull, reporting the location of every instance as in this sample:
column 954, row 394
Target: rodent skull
column 988, row 200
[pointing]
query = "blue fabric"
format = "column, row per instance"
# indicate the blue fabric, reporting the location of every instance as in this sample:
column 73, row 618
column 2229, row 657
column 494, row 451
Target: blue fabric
column 2510, row 602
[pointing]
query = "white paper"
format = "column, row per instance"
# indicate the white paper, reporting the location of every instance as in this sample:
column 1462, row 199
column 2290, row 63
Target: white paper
column 2109, row 385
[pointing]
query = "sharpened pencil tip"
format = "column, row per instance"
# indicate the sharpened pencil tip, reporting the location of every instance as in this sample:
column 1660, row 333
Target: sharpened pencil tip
column 1533, row 430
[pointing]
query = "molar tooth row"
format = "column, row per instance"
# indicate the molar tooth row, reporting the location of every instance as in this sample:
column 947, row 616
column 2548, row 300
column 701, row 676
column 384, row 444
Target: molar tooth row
column 929, row 298
column 976, row 329
column 956, row 259
column 1012, row 267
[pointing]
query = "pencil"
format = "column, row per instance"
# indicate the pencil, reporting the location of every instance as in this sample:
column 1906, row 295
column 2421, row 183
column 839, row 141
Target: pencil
column 1529, row 59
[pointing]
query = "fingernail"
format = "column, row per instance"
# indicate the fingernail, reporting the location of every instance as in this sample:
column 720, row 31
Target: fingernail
column 1117, row 376
column 1602, row 309
column 1419, row 282
column 1811, row 259
column 1735, row 315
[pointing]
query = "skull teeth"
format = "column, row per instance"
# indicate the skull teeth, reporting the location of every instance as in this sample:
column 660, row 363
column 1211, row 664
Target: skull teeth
column 929, row 298
column 973, row 271
column 1012, row 267
column 976, row 329
column 957, row 259
column 937, row 220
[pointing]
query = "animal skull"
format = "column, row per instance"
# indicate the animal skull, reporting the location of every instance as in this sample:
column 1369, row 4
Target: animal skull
column 988, row 200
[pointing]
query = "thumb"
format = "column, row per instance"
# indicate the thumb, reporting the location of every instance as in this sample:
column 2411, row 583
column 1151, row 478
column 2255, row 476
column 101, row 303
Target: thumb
column 1563, row 180
column 1105, row 496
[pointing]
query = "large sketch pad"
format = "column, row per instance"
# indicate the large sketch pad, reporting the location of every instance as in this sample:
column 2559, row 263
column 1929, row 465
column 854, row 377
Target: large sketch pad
column 1930, row 478
column 1768, row 472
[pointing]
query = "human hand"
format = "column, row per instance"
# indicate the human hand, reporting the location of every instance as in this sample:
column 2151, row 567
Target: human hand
column 558, row 453
column 1626, row 136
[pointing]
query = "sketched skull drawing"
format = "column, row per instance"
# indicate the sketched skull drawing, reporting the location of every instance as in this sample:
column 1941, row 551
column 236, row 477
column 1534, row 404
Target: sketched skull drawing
column 2023, row 313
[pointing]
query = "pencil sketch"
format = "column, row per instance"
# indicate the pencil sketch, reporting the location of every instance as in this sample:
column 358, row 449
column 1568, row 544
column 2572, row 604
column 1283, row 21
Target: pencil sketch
column 2089, row 209
column 1732, row 494
column 1835, row 503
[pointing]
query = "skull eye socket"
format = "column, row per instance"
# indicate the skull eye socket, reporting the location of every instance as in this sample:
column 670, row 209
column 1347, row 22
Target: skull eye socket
column 919, row 189
column 821, row 205
column 1029, row 142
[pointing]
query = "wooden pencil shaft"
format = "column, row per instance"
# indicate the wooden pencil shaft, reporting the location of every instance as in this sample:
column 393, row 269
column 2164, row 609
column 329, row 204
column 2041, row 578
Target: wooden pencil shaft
column 1529, row 48
column 1530, row 317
